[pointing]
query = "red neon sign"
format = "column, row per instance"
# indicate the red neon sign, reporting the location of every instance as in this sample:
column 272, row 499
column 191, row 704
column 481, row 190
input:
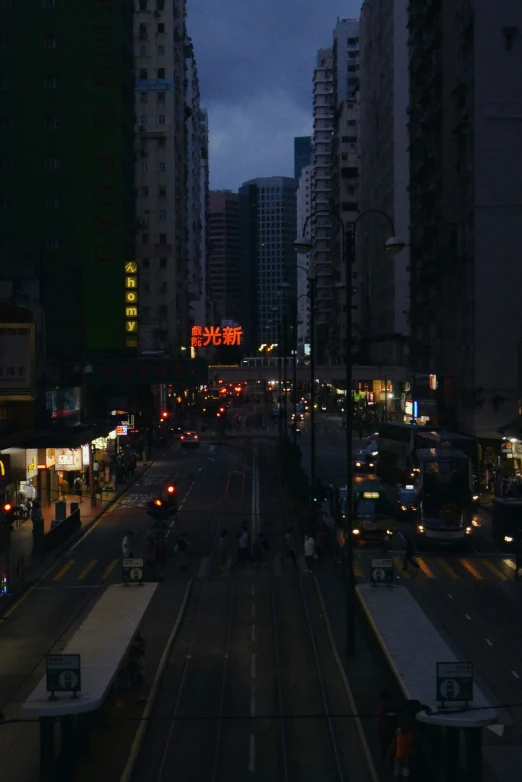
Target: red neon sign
column 201, row 336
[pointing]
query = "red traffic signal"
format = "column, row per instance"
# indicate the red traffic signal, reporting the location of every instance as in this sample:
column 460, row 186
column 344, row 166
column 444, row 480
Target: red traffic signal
column 171, row 489
column 7, row 507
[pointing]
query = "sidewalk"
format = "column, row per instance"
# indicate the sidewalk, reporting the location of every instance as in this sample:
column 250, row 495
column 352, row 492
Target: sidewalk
column 26, row 567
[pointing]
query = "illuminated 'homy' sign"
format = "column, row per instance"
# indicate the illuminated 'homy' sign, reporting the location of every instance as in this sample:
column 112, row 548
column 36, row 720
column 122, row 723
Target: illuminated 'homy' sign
column 202, row 336
column 131, row 304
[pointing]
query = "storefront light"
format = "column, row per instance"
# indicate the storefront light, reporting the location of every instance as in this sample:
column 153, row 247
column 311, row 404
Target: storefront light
column 112, row 435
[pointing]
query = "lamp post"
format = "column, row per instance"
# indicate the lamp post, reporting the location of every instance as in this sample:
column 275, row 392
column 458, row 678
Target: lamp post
column 393, row 245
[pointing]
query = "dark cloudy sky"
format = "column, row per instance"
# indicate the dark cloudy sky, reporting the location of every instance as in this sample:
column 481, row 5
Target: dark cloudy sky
column 255, row 61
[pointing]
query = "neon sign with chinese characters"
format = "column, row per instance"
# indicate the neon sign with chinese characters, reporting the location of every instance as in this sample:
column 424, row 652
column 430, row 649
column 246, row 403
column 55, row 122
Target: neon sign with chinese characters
column 131, row 304
column 202, row 336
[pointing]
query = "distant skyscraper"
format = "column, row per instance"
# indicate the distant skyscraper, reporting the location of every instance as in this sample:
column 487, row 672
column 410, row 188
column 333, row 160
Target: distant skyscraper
column 224, row 258
column 274, row 252
column 304, row 201
column 303, row 154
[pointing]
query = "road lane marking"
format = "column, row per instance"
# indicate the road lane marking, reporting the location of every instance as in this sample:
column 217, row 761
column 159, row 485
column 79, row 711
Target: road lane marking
column 509, row 563
column 488, row 642
column 64, row 570
column 252, row 702
column 253, row 633
column 252, row 754
column 498, row 573
column 108, row 570
column 469, row 567
column 87, row 569
column 398, row 565
column 515, row 674
column 357, row 570
column 468, row 617
column 203, row 568
column 253, row 667
column 425, row 569
column 449, row 570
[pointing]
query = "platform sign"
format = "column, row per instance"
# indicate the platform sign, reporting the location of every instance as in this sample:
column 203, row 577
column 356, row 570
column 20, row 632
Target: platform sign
column 382, row 571
column 63, row 674
column 132, row 570
column 454, row 682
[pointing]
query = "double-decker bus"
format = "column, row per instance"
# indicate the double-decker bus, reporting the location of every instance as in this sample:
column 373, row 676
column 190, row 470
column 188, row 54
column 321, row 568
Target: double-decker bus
column 444, row 479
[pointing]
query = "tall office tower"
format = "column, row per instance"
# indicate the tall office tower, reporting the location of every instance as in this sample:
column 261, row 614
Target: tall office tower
column 201, row 306
column 466, row 221
column 303, row 154
column 344, row 181
column 274, row 258
column 384, row 182
column 66, row 184
column 225, row 259
column 161, row 165
column 194, row 279
column 304, row 209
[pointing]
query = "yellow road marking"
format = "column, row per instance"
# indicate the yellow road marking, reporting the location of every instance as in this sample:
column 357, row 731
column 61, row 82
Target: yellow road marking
column 398, row 565
column 108, row 570
column 424, row 567
column 509, row 563
column 203, row 568
column 357, row 569
column 64, row 570
column 474, row 572
column 449, row 570
column 498, row 573
column 86, row 569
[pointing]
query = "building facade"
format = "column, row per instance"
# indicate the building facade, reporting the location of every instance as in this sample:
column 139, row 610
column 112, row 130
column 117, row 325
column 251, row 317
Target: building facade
column 161, row 174
column 304, row 209
column 465, row 210
column 275, row 255
column 384, row 179
column 201, row 305
column 225, row 258
column 303, row 154
column 62, row 80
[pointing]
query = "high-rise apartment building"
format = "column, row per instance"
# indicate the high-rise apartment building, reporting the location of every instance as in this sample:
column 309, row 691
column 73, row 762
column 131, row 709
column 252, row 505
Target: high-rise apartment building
column 193, row 184
column 304, row 208
column 303, row 154
column 274, row 255
column 201, row 313
column 384, row 179
column 466, row 220
column 161, row 173
column 225, row 259
column 66, row 171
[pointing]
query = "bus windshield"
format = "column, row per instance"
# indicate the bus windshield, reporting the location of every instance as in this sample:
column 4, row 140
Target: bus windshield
column 446, row 478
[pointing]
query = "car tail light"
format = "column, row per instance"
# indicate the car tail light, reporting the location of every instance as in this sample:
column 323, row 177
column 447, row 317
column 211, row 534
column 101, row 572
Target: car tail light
column 182, row 437
column 195, row 437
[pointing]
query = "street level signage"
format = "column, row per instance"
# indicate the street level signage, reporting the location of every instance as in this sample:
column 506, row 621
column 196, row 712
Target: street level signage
column 63, row 674
column 382, row 571
column 454, row 682
column 132, row 570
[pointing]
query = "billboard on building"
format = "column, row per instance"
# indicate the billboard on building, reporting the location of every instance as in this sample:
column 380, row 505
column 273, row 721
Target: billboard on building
column 17, row 361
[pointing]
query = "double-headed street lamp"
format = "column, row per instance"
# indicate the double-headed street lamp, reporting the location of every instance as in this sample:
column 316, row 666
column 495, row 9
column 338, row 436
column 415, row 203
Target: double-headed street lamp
column 393, row 246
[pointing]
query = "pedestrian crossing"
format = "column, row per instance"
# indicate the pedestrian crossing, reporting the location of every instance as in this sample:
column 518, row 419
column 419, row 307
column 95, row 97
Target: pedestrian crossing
column 82, row 571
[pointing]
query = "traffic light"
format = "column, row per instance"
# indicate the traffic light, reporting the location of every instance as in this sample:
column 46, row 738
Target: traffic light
column 171, row 489
column 9, row 514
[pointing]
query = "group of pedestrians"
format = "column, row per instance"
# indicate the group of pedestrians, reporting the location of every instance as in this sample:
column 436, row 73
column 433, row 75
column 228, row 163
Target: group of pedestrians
column 155, row 552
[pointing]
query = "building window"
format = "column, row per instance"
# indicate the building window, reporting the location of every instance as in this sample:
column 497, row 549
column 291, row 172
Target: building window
column 145, row 238
column 143, row 50
column 161, row 50
column 161, row 143
column 144, row 98
column 352, row 139
column 162, row 167
column 143, row 120
column 163, row 263
column 144, row 167
column 162, row 191
column 52, row 163
column 353, row 41
column 51, row 202
column 160, row 5
column 163, row 238
column 162, row 214
column 163, row 287
column 50, row 82
column 143, row 5
column 52, row 244
column 161, row 27
column 161, row 119
column 143, row 31
column 161, row 73
column 145, row 263
column 52, row 123
column 50, row 42
column 161, row 97
column 163, row 311
column 144, row 73
column 145, row 191
column 146, row 287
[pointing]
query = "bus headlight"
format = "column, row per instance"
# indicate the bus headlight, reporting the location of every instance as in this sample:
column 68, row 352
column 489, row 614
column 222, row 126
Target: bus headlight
column 468, row 530
column 420, row 528
column 357, row 464
column 507, row 539
column 370, row 465
column 355, row 532
column 475, row 497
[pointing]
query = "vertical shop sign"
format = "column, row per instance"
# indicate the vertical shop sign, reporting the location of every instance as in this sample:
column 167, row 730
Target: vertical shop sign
column 131, row 304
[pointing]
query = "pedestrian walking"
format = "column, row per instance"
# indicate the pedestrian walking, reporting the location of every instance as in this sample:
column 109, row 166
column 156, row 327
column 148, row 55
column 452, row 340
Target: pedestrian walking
column 149, row 555
column 401, row 751
column 385, row 722
column 78, row 488
column 182, row 551
column 127, row 544
column 223, row 549
column 309, row 551
column 409, row 554
column 160, row 554
column 243, row 546
column 288, row 548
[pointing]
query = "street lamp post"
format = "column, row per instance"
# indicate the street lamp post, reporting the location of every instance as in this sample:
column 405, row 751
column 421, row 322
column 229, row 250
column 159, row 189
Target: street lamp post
column 393, row 245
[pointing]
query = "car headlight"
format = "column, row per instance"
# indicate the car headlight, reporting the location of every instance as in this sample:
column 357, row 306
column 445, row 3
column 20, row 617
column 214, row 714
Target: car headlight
column 507, row 539
column 403, row 507
column 355, row 532
column 370, row 465
column 389, row 532
column 468, row 530
column 357, row 464
column 475, row 497
column 420, row 528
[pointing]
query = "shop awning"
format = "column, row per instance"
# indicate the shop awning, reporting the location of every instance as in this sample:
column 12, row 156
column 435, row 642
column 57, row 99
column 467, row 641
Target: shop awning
column 68, row 437
column 513, row 429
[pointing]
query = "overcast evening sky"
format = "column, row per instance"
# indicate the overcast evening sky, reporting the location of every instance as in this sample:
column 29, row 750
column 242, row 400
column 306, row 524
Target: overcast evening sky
column 255, row 61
